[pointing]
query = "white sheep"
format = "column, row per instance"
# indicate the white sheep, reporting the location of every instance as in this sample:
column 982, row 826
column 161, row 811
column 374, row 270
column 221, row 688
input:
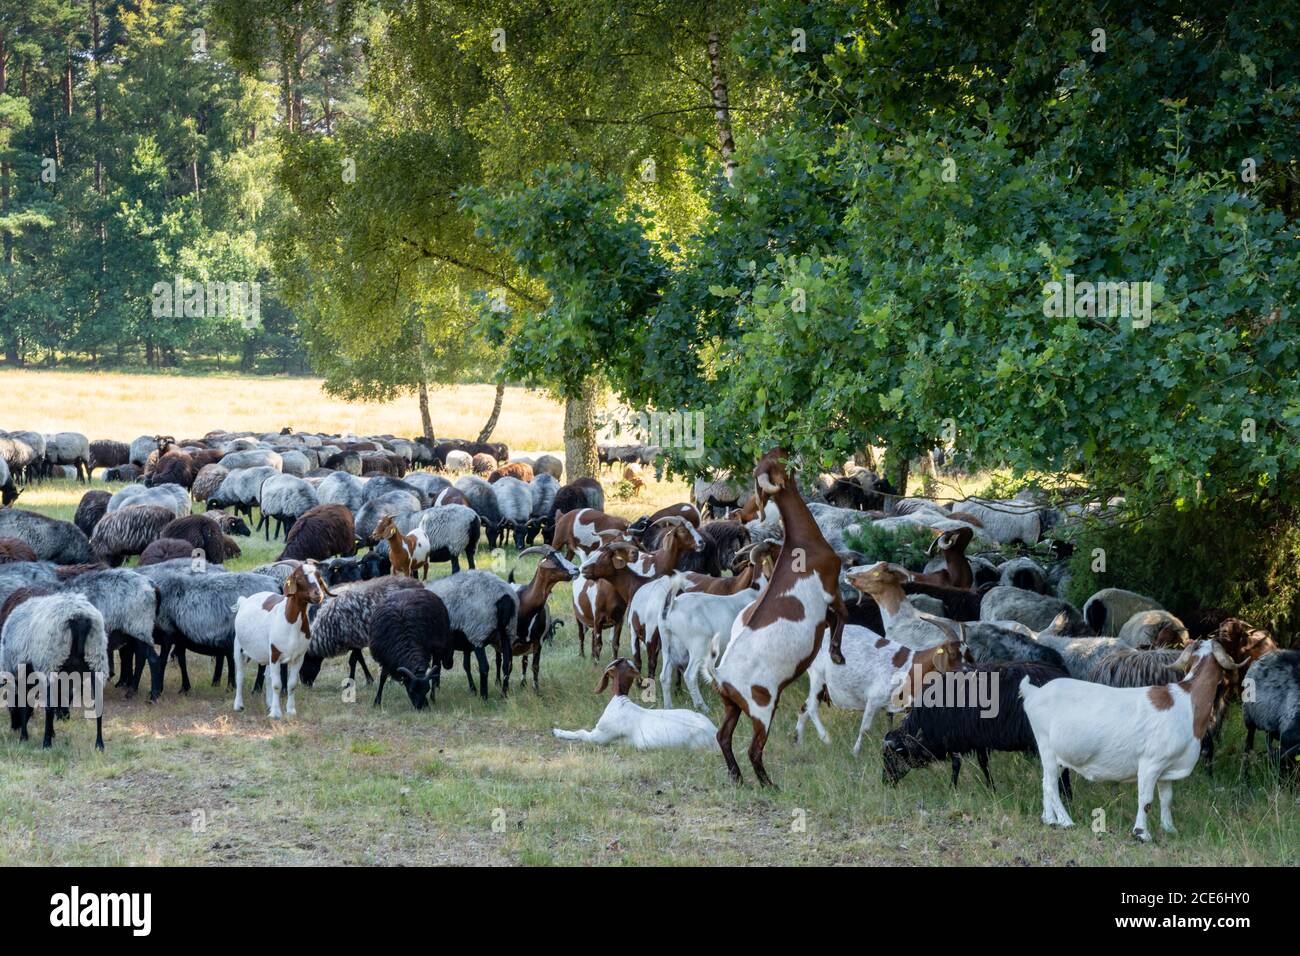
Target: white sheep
column 643, row 729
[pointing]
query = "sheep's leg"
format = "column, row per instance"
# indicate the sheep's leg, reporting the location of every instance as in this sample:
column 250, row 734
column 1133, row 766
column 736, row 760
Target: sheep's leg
column 125, row 669
column 217, row 663
column 185, row 671
column 358, row 658
column 480, row 654
column 1065, row 785
column 49, row 726
column 1166, row 789
column 239, row 682
column 983, row 757
column 725, row 732
column 1207, row 751
column 1146, row 793
column 260, row 681
column 470, row 676
column 150, row 657
column 26, row 715
column 230, row 664
column 469, row 558
column 164, row 651
column 97, row 704
column 1250, row 737
column 756, row 752
column 497, row 655
column 956, row 769
column 383, row 679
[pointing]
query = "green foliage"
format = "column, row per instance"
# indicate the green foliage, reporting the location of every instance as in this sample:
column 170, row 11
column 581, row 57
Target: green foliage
column 906, row 545
column 1241, row 559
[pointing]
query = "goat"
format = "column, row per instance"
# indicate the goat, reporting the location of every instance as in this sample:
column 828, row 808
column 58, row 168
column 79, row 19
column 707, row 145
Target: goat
column 585, row 529
column 273, row 630
column 779, row 635
column 642, row 728
column 535, row 624
column 1149, row 734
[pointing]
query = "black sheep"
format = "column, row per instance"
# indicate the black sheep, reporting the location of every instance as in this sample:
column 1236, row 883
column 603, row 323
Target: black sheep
column 90, row 509
column 932, row 731
column 411, row 640
column 959, row 604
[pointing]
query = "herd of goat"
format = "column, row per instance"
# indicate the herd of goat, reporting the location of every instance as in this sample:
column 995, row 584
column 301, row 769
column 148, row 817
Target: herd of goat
column 748, row 586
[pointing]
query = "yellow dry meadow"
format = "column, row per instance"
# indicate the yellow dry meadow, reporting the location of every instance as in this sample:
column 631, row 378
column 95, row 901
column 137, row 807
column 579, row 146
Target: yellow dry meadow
column 122, row 406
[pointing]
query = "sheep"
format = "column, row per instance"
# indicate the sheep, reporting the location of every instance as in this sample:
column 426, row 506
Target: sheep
column 173, row 468
column 1273, row 706
column 9, row 492
column 320, row 533
column 341, row 488
column 550, row 465
column 285, row 498
column 386, row 505
column 458, row 461
column 122, row 473
column 272, row 630
column 484, row 609
column 1149, row 734
column 543, row 489
column 1007, row 522
column 483, row 500
column 1024, row 573
column 140, row 449
column 483, row 464
column 1035, row 611
column 55, row 634
column 59, row 541
column 515, row 504
column 351, row 570
column 10, row 603
column 251, row 459
column 716, row 498
column 172, row 497
column 166, row 549
column 342, row 626
column 128, row 531
column 428, row 485
column 13, row 550
column 591, row 490
column 877, row 672
column 776, row 640
column 128, row 602
column 195, row 612
column 724, row 540
column 985, row 643
column 513, row 469
column 69, row 448
column 381, row 485
column 92, row 506
column 451, row 530
column 958, row 604
column 961, row 722
column 205, row 532
column 26, row 574
column 241, row 490
column 109, row 454
column 1156, row 628
column 1107, row 610
column 644, row 729
column 295, row 463
column 411, row 641
column 347, row 462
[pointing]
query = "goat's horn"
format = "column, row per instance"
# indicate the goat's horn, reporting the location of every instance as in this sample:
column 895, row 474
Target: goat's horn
column 1220, row 655
column 766, row 484
column 535, row 549
column 670, row 519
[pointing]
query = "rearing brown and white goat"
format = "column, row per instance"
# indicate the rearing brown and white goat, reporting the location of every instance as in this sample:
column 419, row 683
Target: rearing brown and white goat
column 776, row 638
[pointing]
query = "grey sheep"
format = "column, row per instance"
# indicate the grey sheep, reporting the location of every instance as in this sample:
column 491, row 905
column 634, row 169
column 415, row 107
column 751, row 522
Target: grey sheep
column 543, row 489
column 242, row 489
column 172, row 497
column 484, row 610
column 295, row 463
column 57, row 633
column 341, row 488
column 452, row 530
column 26, row 574
column 483, row 500
column 372, row 512
column 1007, row 521
column 429, row 484
column 253, row 458
column 342, row 625
column 1024, row 573
column 1153, row 629
column 207, row 481
column 128, row 601
column 283, row 498
column 59, row 541
column 141, row 449
column 1035, row 611
column 128, row 531
column 69, row 448
column 1108, row 609
column 1274, row 706
column 550, row 465
column 196, row 611
column 515, row 502
column 381, row 485
column 985, row 643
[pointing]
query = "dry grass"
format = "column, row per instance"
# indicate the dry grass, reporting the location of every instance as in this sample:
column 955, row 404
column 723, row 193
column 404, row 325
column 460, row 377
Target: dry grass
column 124, row 406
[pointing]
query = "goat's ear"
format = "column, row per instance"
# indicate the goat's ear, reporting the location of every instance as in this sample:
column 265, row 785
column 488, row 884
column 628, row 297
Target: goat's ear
column 290, row 585
column 604, row 682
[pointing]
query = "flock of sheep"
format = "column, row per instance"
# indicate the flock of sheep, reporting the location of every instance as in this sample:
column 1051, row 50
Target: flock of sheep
column 747, row 587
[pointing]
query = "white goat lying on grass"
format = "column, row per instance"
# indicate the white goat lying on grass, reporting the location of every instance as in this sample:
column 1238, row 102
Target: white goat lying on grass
column 643, row 729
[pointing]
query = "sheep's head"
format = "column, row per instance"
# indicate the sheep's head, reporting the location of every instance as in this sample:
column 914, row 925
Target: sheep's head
column 624, row 673
column 419, row 687
column 901, row 752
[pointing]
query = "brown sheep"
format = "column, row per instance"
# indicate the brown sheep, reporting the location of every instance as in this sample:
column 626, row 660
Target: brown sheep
column 13, row 550
column 513, row 469
column 484, row 464
column 321, row 533
column 165, row 549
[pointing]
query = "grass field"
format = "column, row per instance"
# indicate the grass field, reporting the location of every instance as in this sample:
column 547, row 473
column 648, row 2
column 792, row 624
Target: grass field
column 188, row 781
column 124, row 406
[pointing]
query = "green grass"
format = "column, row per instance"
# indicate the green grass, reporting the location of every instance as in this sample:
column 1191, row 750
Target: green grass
column 188, row 781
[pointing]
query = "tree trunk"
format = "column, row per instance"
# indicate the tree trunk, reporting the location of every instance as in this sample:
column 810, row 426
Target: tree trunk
column 721, row 106
column 900, row 467
column 580, row 434
column 426, row 422
column 486, row 433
